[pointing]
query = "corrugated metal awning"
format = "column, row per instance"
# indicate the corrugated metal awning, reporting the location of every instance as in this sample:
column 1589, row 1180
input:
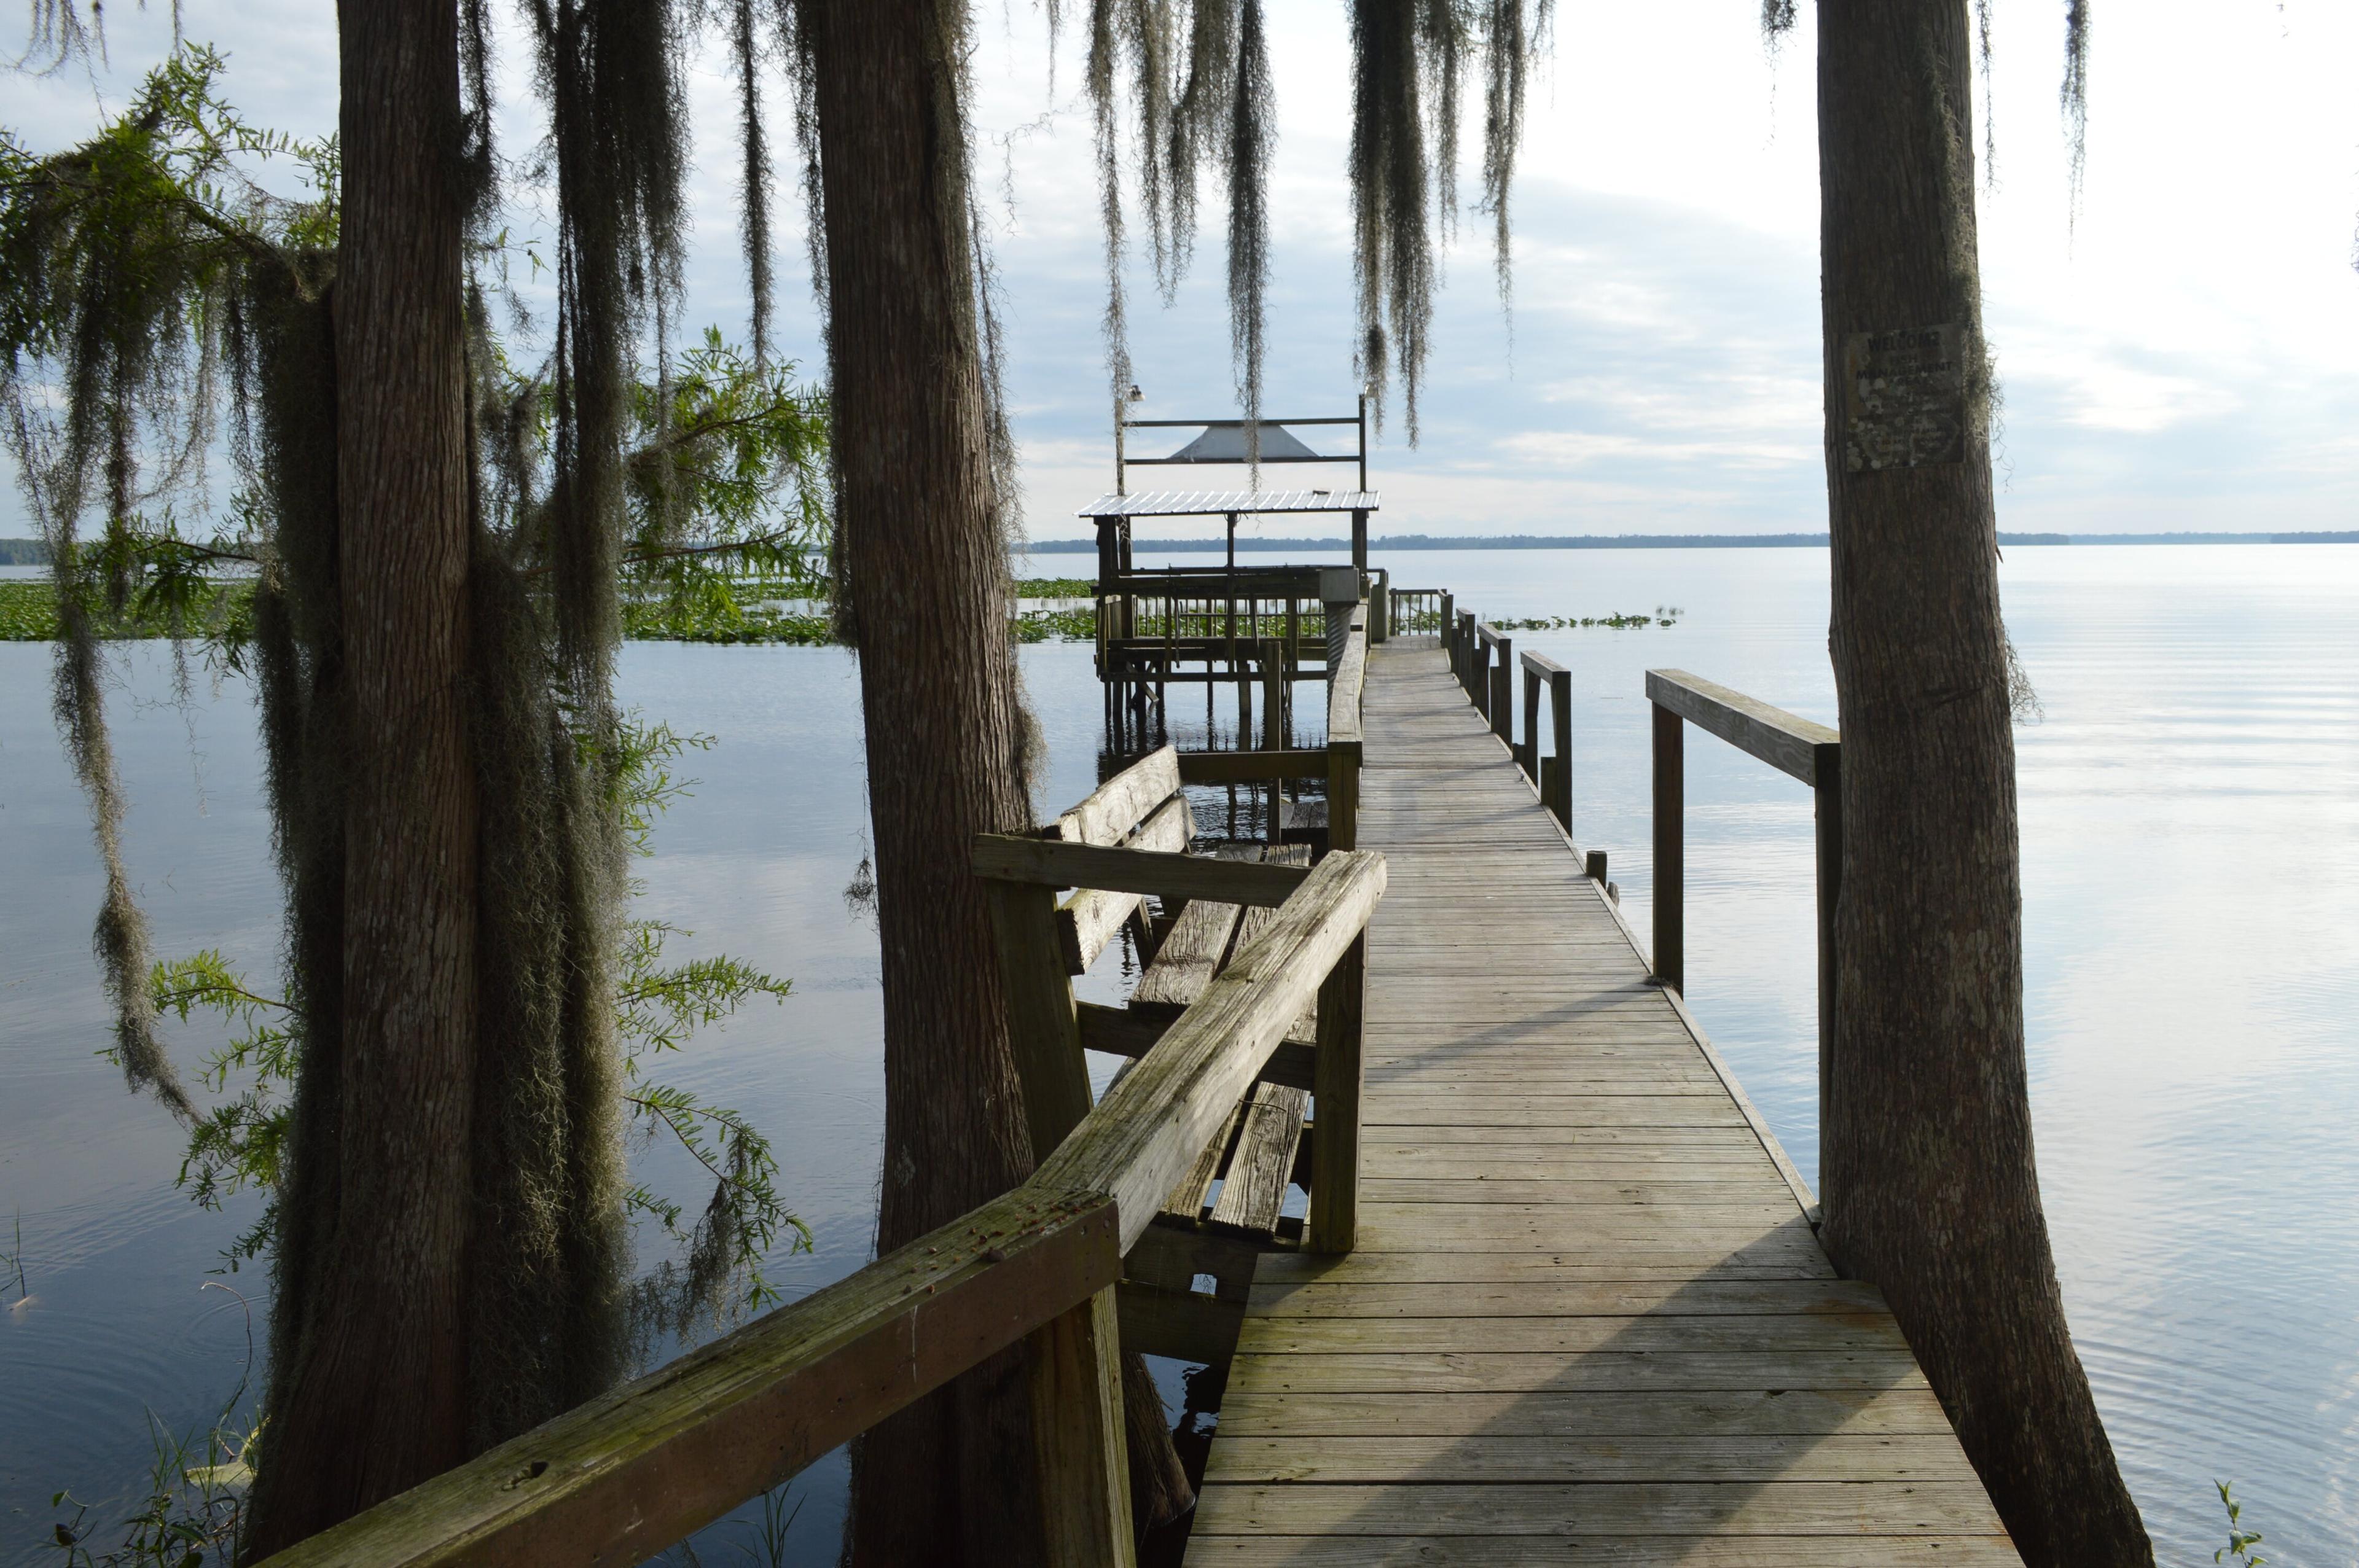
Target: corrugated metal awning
column 1223, row 441
column 1220, row 503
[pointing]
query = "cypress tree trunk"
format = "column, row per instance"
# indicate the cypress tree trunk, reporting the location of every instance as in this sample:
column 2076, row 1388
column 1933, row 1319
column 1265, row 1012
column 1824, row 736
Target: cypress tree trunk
column 369, row 1390
column 1930, row 1186
column 950, row 1480
column 920, row 556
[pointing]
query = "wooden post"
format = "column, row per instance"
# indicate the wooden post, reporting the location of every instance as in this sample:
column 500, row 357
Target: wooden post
column 1560, row 784
column 1827, row 789
column 1530, row 753
column 1077, row 1432
column 1293, row 658
column 1360, row 540
column 1336, row 1076
column 1503, row 693
column 1129, row 599
column 1594, row 865
column 1344, row 796
column 1671, row 929
column 1043, row 1026
column 1274, row 718
column 1449, row 627
column 1276, row 730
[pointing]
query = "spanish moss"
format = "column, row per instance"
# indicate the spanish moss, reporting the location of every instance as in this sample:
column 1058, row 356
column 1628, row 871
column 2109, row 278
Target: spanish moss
column 1392, row 253
column 1253, row 115
column 1990, row 98
column 1099, row 80
column 155, row 281
column 2074, row 96
column 1514, row 41
column 754, row 185
column 1202, row 120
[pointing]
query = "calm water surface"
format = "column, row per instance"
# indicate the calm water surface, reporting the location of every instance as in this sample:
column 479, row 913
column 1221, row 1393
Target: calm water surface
column 2192, row 909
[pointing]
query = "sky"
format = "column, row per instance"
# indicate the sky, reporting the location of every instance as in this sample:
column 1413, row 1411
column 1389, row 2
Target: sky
column 2184, row 355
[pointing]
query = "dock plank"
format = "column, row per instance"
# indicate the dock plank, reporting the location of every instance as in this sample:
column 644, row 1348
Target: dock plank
column 1586, row 1320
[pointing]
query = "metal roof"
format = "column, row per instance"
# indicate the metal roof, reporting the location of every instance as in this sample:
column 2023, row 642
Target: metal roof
column 1223, row 441
column 1220, row 503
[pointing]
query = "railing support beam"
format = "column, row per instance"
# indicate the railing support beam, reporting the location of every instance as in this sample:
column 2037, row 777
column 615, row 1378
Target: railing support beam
column 1670, row 912
column 1336, row 1084
column 1042, row 1026
column 1077, row 1430
column 1527, row 755
column 1501, row 709
column 1558, row 787
column 1828, row 790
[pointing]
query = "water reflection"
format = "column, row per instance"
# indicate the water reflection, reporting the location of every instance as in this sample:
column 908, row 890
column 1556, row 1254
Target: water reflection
column 2192, row 913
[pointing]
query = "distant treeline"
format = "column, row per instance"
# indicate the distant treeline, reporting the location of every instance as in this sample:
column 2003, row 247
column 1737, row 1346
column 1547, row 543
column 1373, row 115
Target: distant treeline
column 33, row 553
column 1655, row 542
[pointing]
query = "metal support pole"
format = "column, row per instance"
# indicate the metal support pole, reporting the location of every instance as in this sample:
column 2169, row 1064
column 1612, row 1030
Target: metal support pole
column 1364, row 443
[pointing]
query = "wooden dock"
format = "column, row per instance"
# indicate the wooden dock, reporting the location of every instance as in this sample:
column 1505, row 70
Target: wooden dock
column 1554, row 1297
column 1586, row 1319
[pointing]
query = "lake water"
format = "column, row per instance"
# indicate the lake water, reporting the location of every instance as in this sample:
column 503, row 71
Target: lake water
column 2191, row 839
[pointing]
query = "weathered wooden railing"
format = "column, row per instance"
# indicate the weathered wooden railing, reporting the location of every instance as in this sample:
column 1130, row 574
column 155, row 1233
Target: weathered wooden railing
column 617, row 1479
column 1552, row 776
column 1347, row 679
column 1416, row 611
column 1495, row 680
column 1796, row 746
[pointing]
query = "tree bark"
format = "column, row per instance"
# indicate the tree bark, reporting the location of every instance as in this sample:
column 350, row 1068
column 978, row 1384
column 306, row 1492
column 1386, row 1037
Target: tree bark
column 370, row 1398
column 1931, row 1191
column 950, row 1479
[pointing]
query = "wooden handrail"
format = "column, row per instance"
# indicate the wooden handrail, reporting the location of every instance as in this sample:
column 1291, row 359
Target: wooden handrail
column 1499, row 706
column 1121, row 1032
column 1786, row 742
column 1347, row 677
column 619, row 1478
column 1252, row 767
column 1089, row 919
column 1122, row 803
column 1345, row 682
column 1552, row 776
column 1008, row 857
column 1795, row 746
column 1150, row 1126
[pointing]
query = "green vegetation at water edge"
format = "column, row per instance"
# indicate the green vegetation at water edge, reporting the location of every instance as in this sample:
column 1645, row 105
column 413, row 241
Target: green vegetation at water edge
column 210, row 608
column 1622, row 621
column 736, row 611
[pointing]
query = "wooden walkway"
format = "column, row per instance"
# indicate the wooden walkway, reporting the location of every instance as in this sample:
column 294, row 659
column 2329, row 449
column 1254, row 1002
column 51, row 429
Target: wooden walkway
column 1586, row 1321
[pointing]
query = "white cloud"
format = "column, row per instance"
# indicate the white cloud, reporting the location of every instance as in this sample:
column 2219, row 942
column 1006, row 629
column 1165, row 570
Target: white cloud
column 2185, row 351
